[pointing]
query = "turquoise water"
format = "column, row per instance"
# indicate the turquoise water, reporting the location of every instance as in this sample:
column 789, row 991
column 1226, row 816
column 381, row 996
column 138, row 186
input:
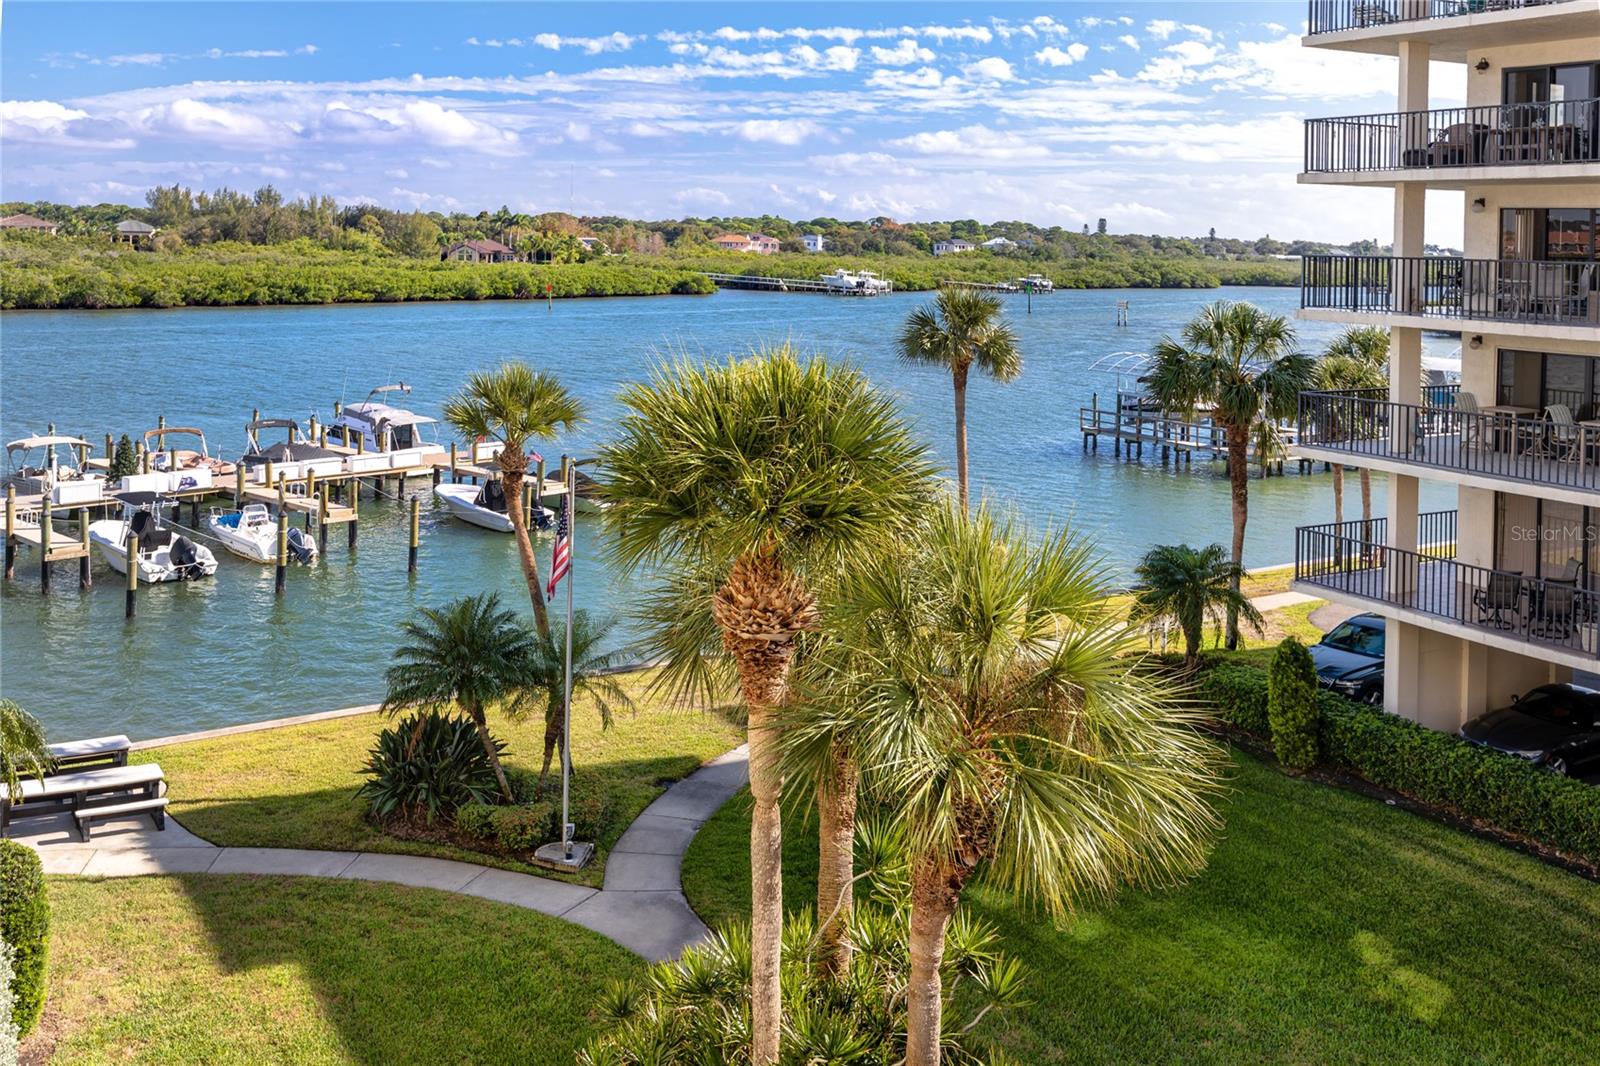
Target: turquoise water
column 227, row 650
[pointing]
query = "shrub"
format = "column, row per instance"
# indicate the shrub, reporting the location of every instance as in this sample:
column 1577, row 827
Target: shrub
column 476, row 820
column 1292, row 705
column 524, row 827
column 8, row 1026
column 1435, row 768
column 426, row 767
column 25, row 925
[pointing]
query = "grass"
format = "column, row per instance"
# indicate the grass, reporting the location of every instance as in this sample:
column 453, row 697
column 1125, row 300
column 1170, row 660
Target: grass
column 214, row 970
column 295, row 787
column 1327, row 928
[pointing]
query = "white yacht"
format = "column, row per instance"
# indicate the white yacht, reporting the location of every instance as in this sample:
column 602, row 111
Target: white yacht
column 49, row 463
column 390, row 438
column 160, row 554
column 855, row 283
column 486, row 505
column 870, row 283
column 252, row 533
column 1037, row 282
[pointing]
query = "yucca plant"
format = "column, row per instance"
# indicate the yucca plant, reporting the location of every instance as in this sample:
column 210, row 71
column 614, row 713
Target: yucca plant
column 427, row 767
column 23, row 752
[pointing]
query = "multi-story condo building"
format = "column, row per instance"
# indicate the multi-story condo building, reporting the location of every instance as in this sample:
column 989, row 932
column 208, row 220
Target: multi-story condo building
column 1502, row 593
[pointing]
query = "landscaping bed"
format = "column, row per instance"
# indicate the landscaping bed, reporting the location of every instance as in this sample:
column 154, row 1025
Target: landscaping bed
column 1328, row 927
column 295, row 787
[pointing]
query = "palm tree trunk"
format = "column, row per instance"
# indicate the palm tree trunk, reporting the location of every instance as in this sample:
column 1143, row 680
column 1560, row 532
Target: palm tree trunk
column 1239, row 482
column 1366, row 513
column 960, row 378
column 552, row 737
column 1193, row 634
column 530, row 564
column 836, row 815
column 933, row 903
column 1338, row 494
column 476, row 714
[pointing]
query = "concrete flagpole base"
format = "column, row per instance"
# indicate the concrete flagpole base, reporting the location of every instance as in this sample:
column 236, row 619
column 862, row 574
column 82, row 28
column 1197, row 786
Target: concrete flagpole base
column 559, row 856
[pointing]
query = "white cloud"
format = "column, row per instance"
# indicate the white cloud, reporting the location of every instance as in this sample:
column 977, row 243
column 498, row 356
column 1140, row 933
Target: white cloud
column 1057, row 57
column 991, row 68
column 1161, row 29
column 907, row 52
column 701, row 196
column 611, row 42
column 973, row 141
column 1130, row 40
column 778, row 131
column 921, row 78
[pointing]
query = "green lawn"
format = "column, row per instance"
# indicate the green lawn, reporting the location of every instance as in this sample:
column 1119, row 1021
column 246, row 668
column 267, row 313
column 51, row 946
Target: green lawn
column 209, row 970
column 295, row 787
column 1327, row 928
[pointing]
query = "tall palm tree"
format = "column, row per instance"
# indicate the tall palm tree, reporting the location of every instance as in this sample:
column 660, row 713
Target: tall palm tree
column 961, row 330
column 748, row 477
column 472, row 653
column 593, row 674
column 1012, row 732
column 1190, row 587
column 22, row 748
column 1358, row 358
column 515, row 405
column 1238, row 361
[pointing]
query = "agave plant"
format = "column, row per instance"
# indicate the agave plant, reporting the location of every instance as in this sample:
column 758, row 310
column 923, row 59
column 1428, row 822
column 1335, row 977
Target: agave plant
column 427, row 767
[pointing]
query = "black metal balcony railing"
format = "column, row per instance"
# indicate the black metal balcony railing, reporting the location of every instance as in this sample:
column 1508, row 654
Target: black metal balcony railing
column 1504, row 135
column 1328, row 16
column 1545, row 291
column 1440, row 433
column 1545, row 612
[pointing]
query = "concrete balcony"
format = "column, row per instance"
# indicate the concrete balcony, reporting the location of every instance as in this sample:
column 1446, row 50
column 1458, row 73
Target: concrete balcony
column 1552, row 619
column 1451, row 28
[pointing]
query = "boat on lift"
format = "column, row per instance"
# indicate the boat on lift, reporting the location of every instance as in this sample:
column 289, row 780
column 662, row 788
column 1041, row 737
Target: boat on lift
column 389, row 437
column 50, row 463
column 166, row 458
column 252, row 533
column 292, row 458
column 486, row 506
column 1037, row 282
column 854, row 283
column 161, row 555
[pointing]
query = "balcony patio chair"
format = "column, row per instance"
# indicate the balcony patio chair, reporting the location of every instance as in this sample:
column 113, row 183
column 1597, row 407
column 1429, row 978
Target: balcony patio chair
column 1559, row 437
column 1576, row 301
column 1456, row 146
column 1500, row 604
column 1556, row 612
column 1470, row 419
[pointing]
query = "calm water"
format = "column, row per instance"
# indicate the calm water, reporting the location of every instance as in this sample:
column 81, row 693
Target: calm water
column 226, row 650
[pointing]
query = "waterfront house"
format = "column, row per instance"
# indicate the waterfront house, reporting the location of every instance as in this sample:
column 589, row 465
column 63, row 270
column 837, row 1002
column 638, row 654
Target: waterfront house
column 757, row 243
column 815, row 242
column 999, row 244
column 133, row 231
column 479, row 251
column 1500, row 594
column 28, row 222
column 954, row 246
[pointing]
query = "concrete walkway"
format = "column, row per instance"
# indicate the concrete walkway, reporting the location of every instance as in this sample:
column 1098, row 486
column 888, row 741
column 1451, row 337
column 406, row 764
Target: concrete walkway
column 641, row 905
column 1276, row 601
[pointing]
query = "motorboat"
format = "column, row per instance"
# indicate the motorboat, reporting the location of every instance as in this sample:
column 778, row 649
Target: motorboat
column 291, row 458
column 164, row 457
column 160, row 554
column 854, row 283
column 1037, row 282
column 870, row 283
column 252, row 533
column 486, row 506
column 388, row 437
column 587, row 499
column 52, row 464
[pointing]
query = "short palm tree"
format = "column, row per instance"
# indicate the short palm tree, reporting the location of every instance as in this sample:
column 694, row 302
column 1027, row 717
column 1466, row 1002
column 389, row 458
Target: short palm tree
column 593, row 674
column 1190, row 587
column 516, row 405
column 961, row 330
column 22, row 748
column 1011, row 731
column 472, row 653
column 748, row 477
column 1358, row 358
column 1238, row 361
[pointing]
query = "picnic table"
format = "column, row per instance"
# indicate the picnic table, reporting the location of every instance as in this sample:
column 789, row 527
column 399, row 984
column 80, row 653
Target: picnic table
column 81, row 753
column 92, row 796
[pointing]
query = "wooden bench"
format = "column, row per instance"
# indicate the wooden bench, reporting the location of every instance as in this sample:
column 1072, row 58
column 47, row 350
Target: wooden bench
column 112, row 751
column 154, row 806
column 85, row 789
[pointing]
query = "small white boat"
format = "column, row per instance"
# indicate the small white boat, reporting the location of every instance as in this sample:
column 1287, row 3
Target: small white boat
column 870, row 283
column 1037, row 282
column 252, row 533
column 852, row 283
column 50, row 464
column 161, row 555
column 485, row 506
column 163, row 457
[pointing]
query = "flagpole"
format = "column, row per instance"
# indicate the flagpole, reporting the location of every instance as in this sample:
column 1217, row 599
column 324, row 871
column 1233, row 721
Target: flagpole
column 566, row 716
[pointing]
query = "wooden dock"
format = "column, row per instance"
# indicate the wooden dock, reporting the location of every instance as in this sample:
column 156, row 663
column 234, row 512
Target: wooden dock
column 981, row 286
column 766, row 284
column 1179, row 440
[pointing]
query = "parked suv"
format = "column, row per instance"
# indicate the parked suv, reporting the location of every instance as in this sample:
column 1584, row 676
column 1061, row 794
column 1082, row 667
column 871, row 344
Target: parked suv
column 1349, row 660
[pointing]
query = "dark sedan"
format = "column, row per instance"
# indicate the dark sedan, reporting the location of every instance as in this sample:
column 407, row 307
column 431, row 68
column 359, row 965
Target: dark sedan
column 1553, row 726
column 1349, row 660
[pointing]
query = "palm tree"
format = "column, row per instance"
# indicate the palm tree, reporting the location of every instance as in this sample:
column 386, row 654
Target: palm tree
column 593, row 673
column 23, row 752
column 515, row 405
column 1238, row 361
column 748, row 477
column 472, row 653
column 1358, row 358
column 1009, row 727
column 1189, row 587
column 959, row 331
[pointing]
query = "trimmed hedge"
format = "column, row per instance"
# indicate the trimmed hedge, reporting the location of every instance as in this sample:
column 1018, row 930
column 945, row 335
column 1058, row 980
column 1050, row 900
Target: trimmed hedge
column 25, row 925
column 1436, row 768
column 1292, row 705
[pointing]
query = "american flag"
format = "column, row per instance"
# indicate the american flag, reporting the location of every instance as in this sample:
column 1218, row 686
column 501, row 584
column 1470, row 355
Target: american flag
column 561, row 556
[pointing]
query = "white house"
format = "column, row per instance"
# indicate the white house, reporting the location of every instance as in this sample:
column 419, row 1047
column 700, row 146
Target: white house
column 953, row 246
column 999, row 244
column 815, row 242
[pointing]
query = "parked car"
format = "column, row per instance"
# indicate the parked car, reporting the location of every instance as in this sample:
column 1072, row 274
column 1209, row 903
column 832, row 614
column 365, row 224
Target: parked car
column 1553, row 726
column 1349, row 660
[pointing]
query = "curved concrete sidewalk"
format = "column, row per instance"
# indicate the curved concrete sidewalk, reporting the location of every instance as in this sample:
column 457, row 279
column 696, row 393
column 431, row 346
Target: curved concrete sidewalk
column 641, row 906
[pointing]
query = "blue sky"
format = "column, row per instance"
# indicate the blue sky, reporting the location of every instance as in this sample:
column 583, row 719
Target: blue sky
column 1161, row 117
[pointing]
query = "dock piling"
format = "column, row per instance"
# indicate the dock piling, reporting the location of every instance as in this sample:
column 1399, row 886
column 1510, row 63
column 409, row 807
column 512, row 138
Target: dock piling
column 322, row 522
column 11, row 529
column 84, row 579
column 131, row 547
column 283, row 540
column 355, row 512
column 454, row 477
column 238, row 485
column 416, row 529
column 44, row 545
column 311, row 494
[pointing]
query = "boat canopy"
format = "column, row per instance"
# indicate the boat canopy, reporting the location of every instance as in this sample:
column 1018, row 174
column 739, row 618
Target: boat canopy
column 290, row 452
column 48, row 441
column 373, row 412
column 164, row 430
